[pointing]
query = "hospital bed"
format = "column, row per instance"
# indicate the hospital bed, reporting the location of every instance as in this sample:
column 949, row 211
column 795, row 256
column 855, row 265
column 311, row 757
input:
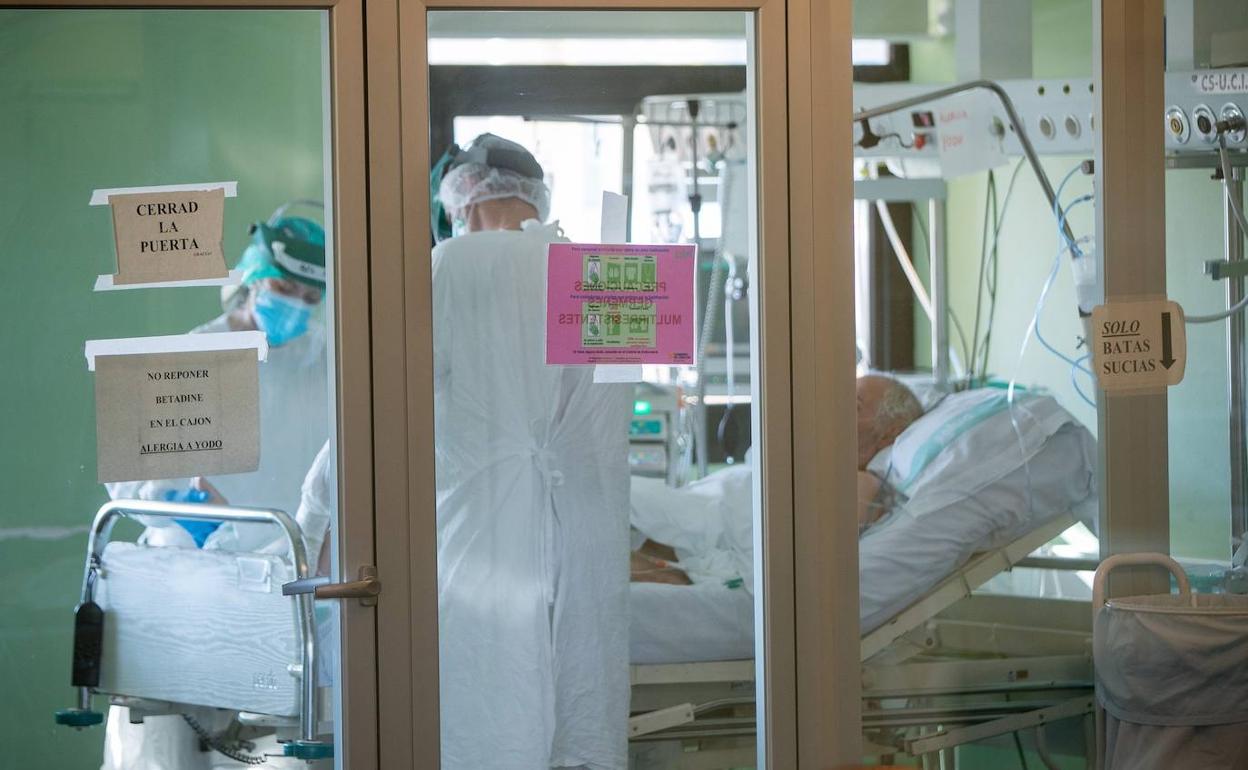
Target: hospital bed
column 140, row 637
column 942, row 665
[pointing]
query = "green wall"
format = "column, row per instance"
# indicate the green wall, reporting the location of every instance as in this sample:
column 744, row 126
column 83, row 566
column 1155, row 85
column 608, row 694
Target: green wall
column 111, row 99
column 1198, row 433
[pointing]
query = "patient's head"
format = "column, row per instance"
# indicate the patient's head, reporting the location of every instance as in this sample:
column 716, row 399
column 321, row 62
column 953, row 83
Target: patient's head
column 886, row 407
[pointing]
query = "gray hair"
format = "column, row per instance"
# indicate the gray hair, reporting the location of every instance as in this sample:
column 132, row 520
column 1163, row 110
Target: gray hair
column 898, row 408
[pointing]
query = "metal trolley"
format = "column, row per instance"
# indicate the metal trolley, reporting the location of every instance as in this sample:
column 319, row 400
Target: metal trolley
column 89, row 617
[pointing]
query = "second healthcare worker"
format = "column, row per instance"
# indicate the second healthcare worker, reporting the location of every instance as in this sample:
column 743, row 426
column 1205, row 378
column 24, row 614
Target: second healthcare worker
column 283, row 284
column 532, row 492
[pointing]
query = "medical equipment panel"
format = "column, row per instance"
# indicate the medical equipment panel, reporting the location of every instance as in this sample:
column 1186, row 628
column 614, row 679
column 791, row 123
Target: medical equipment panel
column 653, row 430
column 1057, row 114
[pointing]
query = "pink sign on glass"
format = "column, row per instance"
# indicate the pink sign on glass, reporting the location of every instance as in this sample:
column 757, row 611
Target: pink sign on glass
column 620, row 304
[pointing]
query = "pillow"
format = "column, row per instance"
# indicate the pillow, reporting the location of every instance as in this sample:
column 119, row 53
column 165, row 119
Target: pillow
column 968, row 441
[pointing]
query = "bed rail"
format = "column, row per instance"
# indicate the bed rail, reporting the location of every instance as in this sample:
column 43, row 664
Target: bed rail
column 959, row 585
column 101, row 530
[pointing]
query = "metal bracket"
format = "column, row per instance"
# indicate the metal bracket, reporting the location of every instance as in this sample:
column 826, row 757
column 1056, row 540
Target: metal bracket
column 365, row 589
column 1075, row 707
column 1219, row 270
column 655, row 721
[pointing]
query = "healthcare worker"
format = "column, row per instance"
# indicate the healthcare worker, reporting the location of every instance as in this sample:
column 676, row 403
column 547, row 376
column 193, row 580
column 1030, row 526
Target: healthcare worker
column 283, row 284
column 282, row 288
column 532, row 492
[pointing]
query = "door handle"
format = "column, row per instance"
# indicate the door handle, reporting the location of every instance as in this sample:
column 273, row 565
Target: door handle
column 365, row 589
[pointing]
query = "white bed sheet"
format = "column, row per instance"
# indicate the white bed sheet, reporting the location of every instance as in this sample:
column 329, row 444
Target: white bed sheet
column 900, row 558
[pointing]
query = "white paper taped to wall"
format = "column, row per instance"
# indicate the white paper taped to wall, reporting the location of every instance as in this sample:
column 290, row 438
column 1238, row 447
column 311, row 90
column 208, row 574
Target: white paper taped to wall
column 614, row 229
column 105, row 282
column 100, row 197
column 178, row 343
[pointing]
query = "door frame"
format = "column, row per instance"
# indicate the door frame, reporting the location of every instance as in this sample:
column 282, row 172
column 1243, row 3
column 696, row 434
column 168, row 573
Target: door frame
column 809, row 712
column 357, row 742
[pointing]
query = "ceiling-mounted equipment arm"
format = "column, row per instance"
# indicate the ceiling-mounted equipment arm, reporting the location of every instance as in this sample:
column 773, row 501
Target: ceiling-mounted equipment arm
column 1029, row 150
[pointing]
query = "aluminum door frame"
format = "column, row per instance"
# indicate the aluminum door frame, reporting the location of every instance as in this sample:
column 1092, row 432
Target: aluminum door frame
column 809, row 709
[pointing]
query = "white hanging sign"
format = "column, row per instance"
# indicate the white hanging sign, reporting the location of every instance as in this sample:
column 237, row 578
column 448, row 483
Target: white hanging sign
column 965, row 138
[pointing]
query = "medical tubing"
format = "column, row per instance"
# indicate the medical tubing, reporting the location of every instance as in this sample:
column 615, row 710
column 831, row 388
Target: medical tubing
column 1063, row 227
column 992, row 289
column 916, row 283
column 1040, row 308
column 1022, row 350
column 708, row 325
column 958, row 364
column 708, row 321
column 234, row 752
column 903, row 258
column 1225, row 161
column 729, row 356
column 1070, row 246
column 1224, row 157
column 1074, row 379
column 1076, row 365
column 989, row 193
column 1020, row 130
column 730, row 371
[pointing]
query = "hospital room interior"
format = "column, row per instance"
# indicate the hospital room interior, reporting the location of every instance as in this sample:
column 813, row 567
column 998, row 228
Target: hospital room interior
column 207, row 618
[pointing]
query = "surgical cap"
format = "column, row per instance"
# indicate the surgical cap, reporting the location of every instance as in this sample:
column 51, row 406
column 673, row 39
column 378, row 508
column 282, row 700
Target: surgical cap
column 493, row 168
column 291, row 248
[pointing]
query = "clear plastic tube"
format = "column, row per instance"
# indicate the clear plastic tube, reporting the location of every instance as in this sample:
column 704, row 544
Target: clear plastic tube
column 1225, row 160
column 917, row 287
column 1065, row 245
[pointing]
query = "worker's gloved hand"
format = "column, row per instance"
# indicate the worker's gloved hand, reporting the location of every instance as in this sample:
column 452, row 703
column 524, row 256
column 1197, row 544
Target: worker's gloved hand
column 200, row 491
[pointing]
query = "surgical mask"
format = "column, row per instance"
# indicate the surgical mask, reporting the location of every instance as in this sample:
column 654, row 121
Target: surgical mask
column 281, row 318
column 459, row 227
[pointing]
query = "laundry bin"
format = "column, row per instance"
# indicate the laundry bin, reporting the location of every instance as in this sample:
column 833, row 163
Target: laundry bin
column 1171, row 675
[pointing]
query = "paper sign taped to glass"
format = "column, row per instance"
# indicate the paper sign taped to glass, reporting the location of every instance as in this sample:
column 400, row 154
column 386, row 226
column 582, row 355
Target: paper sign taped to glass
column 176, row 414
column 620, row 304
column 169, row 236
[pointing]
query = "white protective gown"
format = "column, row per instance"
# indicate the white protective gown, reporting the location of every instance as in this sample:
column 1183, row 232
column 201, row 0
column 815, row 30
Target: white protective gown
column 294, row 425
column 532, row 517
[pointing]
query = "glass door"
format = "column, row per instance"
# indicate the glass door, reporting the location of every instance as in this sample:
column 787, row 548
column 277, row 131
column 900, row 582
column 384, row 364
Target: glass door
column 183, row 240
column 594, row 366
column 978, row 422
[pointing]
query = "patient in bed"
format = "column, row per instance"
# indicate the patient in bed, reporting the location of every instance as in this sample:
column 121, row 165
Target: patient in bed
column 885, row 407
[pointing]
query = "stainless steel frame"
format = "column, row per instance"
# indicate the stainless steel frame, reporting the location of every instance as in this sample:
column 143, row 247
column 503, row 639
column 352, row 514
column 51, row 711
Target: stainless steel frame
column 1237, row 377
column 101, row 530
column 934, row 192
column 938, row 266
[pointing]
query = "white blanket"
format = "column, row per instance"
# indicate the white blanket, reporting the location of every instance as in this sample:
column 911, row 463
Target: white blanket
column 900, row 558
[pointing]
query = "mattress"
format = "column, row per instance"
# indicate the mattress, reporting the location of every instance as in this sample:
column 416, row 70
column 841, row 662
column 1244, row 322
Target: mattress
column 900, row 558
column 685, row 624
